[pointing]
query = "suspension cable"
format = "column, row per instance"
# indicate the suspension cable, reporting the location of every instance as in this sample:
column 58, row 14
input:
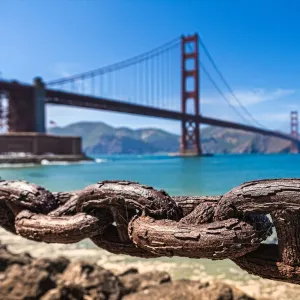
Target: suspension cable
column 227, row 84
column 122, row 64
column 221, row 93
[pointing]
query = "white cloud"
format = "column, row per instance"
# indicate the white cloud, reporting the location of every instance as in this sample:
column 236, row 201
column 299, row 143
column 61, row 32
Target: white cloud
column 77, row 86
column 272, row 117
column 59, row 70
column 250, row 97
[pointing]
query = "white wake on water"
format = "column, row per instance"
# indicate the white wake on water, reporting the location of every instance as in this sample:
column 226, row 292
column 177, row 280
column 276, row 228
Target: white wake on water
column 21, row 165
column 46, row 162
column 100, row 160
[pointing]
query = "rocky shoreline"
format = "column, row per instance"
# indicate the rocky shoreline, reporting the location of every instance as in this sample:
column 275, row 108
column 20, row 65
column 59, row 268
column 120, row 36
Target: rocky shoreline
column 40, row 159
column 25, row 277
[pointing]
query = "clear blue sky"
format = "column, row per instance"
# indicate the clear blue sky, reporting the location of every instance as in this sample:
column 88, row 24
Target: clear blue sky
column 255, row 43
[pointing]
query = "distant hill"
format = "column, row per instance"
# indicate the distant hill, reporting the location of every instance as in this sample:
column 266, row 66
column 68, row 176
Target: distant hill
column 100, row 138
column 224, row 140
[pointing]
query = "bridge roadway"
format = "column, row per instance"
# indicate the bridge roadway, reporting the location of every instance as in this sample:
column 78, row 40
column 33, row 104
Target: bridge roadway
column 71, row 99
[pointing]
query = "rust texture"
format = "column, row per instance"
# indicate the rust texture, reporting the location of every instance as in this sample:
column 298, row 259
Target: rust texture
column 130, row 218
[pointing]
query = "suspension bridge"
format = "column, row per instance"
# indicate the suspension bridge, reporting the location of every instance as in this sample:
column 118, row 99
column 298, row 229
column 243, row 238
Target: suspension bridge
column 163, row 82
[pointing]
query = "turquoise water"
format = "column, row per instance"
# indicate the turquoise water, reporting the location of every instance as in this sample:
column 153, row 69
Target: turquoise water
column 178, row 176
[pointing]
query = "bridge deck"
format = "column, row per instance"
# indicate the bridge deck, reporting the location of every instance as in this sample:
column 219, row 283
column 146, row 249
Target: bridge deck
column 72, row 99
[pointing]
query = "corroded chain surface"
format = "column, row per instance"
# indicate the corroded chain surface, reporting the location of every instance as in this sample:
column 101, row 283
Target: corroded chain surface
column 129, row 218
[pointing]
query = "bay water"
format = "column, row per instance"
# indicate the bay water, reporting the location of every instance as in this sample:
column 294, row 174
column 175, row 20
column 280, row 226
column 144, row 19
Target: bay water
column 178, row 176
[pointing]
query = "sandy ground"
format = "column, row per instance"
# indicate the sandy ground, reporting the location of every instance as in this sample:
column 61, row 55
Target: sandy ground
column 204, row 270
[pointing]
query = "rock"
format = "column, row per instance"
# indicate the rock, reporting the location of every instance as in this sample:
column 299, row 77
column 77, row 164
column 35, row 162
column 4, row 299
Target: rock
column 7, row 258
column 70, row 292
column 26, row 277
column 95, row 280
column 53, row 266
column 189, row 290
column 25, row 282
column 23, row 277
column 222, row 291
column 129, row 271
column 133, row 281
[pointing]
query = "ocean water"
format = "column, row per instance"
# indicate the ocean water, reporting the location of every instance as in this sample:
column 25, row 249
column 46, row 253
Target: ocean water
column 178, row 176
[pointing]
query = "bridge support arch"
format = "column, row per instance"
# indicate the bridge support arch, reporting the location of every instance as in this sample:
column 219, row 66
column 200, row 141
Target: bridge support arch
column 190, row 131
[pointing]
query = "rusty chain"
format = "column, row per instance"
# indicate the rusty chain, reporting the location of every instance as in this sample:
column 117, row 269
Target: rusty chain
column 129, row 218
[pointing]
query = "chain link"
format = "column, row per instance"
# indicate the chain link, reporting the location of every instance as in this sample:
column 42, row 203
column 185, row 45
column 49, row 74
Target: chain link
column 129, row 218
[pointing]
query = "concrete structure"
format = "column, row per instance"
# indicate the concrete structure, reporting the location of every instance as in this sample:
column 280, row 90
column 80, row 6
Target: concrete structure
column 21, row 108
column 26, row 110
column 39, row 144
column 39, row 103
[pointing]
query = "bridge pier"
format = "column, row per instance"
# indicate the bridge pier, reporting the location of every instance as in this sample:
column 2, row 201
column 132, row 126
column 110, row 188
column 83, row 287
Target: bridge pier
column 190, row 129
column 295, row 131
column 39, row 103
column 26, row 107
column 295, row 148
column 21, row 108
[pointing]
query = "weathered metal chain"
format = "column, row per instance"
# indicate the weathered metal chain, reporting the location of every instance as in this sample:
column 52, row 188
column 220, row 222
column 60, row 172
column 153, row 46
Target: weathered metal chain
column 129, row 218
